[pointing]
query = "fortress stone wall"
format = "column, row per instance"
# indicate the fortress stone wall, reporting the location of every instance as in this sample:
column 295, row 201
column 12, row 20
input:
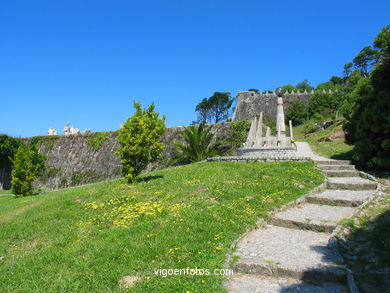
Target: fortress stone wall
column 250, row 104
column 71, row 161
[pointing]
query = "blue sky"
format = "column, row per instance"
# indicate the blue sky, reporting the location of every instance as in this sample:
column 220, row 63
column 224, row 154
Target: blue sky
column 85, row 61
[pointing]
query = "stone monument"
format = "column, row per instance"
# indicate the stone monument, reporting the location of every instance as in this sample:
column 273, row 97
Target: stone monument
column 257, row 144
column 52, row 131
column 68, row 130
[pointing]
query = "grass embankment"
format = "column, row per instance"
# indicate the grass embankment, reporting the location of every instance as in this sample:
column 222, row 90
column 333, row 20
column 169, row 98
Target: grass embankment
column 85, row 239
column 335, row 149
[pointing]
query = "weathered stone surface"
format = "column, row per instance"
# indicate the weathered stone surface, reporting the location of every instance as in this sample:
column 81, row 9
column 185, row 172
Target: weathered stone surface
column 341, row 173
column 250, row 104
column 263, row 157
column 241, row 283
column 316, row 217
column 337, row 167
column 71, row 161
column 332, row 162
column 283, row 252
column 341, row 197
column 350, row 183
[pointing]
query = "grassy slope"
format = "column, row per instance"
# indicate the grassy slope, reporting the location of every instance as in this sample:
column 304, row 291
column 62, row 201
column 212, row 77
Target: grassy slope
column 186, row 216
column 336, row 149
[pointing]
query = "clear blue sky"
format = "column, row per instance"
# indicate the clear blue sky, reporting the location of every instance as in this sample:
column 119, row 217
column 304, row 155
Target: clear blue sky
column 85, row 61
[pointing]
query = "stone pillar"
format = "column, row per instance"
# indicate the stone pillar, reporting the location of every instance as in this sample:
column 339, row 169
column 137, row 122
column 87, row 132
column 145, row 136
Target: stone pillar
column 280, row 126
column 291, row 130
column 259, row 132
column 267, row 135
column 252, row 134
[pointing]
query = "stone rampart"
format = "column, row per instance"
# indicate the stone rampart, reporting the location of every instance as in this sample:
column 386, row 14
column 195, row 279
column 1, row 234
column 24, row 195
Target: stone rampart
column 72, row 161
column 250, row 104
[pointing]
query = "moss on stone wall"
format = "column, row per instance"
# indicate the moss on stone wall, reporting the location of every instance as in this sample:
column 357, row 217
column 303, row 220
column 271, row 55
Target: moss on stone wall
column 47, row 141
column 47, row 173
column 96, row 140
column 240, row 131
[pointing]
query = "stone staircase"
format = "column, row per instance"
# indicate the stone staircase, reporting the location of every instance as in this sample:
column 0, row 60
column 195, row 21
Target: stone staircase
column 296, row 251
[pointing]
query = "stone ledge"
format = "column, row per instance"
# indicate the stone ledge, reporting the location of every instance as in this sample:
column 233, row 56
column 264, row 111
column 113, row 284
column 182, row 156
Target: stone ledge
column 265, row 158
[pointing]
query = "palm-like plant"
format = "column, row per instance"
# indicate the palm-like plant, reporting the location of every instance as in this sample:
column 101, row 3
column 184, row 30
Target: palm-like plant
column 197, row 144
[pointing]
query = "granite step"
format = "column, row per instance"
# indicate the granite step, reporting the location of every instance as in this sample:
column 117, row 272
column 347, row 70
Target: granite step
column 346, row 198
column 350, row 183
column 283, row 252
column 242, row 283
column 332, row 162
column 341, row 173
column 336, row 167
column 321, row 218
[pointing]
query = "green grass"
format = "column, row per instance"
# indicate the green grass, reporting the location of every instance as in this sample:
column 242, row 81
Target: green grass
column 336, row 149
column 85, row 239
column 9, row 191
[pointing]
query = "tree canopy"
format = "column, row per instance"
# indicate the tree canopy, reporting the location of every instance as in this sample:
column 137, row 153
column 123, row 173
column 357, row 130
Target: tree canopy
column 215, row 109
column 140, row 140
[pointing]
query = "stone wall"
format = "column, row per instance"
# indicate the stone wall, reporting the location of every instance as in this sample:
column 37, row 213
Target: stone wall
column 250, row 104
column 71, row 161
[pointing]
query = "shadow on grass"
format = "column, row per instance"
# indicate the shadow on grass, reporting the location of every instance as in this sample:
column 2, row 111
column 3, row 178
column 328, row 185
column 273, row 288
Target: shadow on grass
column 148, row 178
column 343, row 156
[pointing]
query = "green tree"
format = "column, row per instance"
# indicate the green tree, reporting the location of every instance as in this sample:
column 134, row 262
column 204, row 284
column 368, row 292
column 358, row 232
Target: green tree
column 347, row 69
column 8, row 148
column 140, row 140
column 304, row 86
column 289, row 88
column 204, row 111
column 253, row 90
column 369, row 124
column 215, row 109
column 27, row 164
column 324, row 103
column 197, row 145
column 296, row 112
column 366, row 60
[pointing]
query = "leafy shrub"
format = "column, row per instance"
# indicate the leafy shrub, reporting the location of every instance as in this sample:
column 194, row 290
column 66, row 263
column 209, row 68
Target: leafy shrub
column 140, row 140
column 296, row 112
column 240, row 131
column 317, row 117
column 309, row 128
column 323, row 103
column 47, row 141
column 96, row 140
column 198, row 144
column 8, row 148
column 26, row 166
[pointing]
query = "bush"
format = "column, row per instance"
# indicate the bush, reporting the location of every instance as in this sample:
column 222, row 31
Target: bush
column 296, row 112
column 323, row 103
column 198, row 144
column 26, row 166
column 240, row 131
column 317, row 117
column 140, row 141
column 8, row 148
column 309, row 128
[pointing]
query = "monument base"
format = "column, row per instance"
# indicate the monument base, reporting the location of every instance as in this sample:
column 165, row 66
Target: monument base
column 254, row 152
